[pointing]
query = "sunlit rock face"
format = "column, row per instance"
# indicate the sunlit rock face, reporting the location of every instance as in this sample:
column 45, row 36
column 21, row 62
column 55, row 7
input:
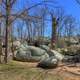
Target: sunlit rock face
column 57, row 55
column 30, row 53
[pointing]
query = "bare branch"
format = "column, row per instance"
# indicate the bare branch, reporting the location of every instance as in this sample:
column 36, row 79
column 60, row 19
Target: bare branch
column 4, row 2
column 12, row 2
column 41, row 3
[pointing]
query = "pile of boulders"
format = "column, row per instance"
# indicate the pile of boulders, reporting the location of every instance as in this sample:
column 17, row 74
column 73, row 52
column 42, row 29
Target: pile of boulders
column 30, row 53
column 46, row 57
column 71, row 55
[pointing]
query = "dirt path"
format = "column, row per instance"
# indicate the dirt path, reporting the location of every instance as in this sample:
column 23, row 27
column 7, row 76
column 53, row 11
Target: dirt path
column 67, row 73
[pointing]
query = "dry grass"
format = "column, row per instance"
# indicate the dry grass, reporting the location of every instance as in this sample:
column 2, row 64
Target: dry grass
column 28, row 71
column 24, row 71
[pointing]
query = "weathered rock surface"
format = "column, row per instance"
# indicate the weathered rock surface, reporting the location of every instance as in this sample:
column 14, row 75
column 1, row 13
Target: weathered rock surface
column 30, row 53
column 57, row 55
column 50, row 62
column 46, row 57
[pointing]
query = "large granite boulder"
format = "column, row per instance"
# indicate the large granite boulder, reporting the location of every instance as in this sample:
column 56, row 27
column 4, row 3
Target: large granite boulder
column 51, row 52
column 48, row 63
column 30, row 53
column 45, row 47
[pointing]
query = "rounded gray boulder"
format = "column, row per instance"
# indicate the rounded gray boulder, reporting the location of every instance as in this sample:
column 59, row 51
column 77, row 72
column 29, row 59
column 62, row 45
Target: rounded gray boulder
column 48, row 63
column 30, row 53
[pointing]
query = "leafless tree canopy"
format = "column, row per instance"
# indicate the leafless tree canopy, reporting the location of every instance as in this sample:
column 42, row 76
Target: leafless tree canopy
column 31, row 21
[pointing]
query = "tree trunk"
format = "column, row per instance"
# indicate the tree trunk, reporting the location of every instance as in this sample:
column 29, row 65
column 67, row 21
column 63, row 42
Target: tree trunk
column 54, row 27
column 7, row 30
column 0, row 44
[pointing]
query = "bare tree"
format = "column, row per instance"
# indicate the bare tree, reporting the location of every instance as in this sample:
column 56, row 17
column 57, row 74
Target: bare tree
column 9, row 18
column 54, row 31
column 69, row 24
column 0, row 43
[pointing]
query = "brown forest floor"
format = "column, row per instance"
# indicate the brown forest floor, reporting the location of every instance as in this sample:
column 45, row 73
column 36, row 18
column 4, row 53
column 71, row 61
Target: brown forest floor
column 28, row 71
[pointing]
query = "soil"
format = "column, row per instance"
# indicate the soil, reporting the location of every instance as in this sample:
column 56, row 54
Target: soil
column 68, row 72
